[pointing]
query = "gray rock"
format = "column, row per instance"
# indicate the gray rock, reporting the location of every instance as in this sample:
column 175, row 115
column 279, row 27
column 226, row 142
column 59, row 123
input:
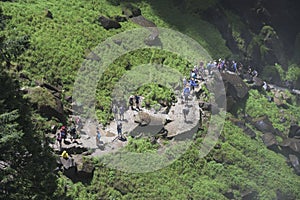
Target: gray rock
column 108, row 23
column 295, row 163
column 142, row 118
column 250, row 132
column 294, row 131
column 264, row 125
column 258, row 83
column 236, row 91
column 292, row 143
column 269, row 140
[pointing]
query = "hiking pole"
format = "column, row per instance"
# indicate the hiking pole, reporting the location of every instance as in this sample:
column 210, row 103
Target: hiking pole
column 117, row 137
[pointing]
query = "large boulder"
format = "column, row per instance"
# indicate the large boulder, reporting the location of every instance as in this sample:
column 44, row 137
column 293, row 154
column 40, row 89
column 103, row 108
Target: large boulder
column 236, row 90
column 108, row 23
column 235, row 86
column 85, row 170
column 295, row 163
column 68, row 166
column 294, row 131
column 291, row 143
column 142, row 118
column 269, row 140
column 258, row 83
column 281, row 98
column 264, row 125
column 47, row 103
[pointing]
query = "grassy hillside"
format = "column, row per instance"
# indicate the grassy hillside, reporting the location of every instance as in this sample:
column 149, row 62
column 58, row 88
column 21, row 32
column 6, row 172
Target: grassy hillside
column 60, row 45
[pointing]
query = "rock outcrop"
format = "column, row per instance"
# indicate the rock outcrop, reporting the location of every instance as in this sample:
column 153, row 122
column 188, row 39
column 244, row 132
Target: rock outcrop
column 77, row 169
column 236, row 90
column 108, row 23
column 294, row 131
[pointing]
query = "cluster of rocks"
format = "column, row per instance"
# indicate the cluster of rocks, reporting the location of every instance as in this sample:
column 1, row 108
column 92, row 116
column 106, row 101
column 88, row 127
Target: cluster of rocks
column 134, row 14
column 237, row 93
column 76, row 168
column 275, row 140
column 128, row 11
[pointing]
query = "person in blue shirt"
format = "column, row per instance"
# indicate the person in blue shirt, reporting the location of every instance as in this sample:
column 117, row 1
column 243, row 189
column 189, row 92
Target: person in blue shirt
column 186, row 93
column 192, row 83
column 98, row 136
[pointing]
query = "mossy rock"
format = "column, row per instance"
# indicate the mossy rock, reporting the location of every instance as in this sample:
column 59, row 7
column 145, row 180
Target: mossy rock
column 131, row 11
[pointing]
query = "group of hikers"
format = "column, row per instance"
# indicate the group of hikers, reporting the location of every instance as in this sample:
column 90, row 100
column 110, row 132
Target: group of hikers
column 118, row 109
column 63, row 132
column 197, row 74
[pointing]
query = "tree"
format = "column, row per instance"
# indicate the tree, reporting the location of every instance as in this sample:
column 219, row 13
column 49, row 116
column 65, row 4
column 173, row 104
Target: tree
column 26, row 160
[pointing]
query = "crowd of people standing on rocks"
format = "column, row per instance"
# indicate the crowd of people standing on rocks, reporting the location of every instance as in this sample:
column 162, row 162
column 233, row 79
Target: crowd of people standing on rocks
column 64, row 132
column 199, row 73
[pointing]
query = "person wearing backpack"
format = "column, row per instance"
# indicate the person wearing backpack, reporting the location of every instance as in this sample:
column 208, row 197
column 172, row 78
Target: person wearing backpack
column 98, row 137
column 63, row 132
column 119, row 129
column 186, row 93
column 137, row 102
column 121, row 112
column 115, row 112
column 73, row 132
column 59, row 139
column 131, row 101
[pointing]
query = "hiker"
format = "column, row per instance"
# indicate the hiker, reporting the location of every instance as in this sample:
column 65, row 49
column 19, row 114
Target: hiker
column 63, row 132
column 78, row 123
column 185, row 112
column 208, row 66
column 186, row 93
column 59, row 139
column 234, row 66
column 137, row 102
column 119, row 129
column 65, row 155
column 193, row 74
column 121, row 112
column 192, row 83
column 201, row 68
column 73, row 132
column 184, row 81
column 98, row 137
column 131, row 99
column 254, row 73
column 115, row 112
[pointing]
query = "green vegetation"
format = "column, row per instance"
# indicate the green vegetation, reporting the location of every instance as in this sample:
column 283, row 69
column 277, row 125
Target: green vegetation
column 258, row 105
column 228, row 167
column 26, row 161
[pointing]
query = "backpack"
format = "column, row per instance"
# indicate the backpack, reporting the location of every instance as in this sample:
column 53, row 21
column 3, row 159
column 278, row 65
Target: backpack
column 63, row 134
column 186, row 91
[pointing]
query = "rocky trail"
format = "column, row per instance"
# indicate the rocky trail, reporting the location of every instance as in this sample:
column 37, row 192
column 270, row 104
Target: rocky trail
column 132, row 126
column 172, row 124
